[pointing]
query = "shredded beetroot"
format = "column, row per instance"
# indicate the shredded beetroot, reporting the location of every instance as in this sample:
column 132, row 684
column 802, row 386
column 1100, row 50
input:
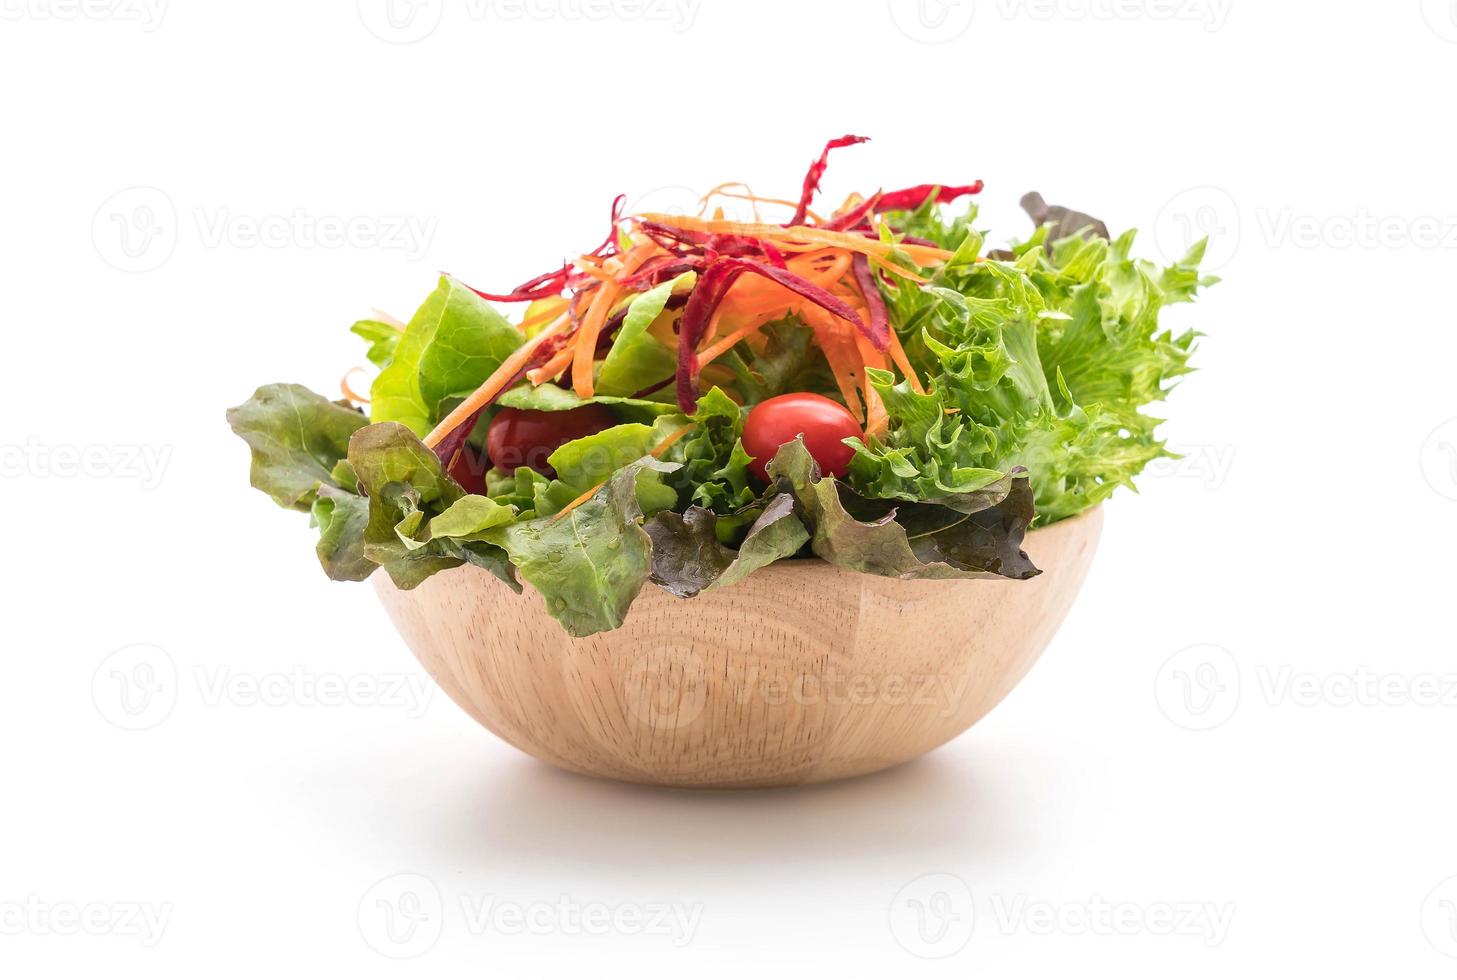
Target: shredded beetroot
column 710, row 292
column 855, row 216
column 654, row 389
column 660, row 269
column 816, row 172
column 913, row 197
column 706, row 295
column 554, row 283
column 678, row 239
column 879, row 328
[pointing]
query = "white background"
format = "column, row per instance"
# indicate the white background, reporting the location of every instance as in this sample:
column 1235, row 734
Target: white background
column 1303, row 549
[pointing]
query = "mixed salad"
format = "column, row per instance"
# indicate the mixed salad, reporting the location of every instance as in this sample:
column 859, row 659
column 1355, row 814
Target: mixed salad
column 698, row 397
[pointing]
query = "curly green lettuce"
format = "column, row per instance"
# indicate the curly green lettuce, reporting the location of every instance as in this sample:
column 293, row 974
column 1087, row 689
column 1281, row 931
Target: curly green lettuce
column 1045, row 360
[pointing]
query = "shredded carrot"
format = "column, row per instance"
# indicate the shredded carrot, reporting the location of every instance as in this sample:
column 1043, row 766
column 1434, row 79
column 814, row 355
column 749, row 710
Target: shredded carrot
column 799, row 233
column 657, row 453
column 607, row 293
column 891, row 267
column 551, row 368
column 875, row 415
column 492, row 386
column 898, row 356
column 840, row 353
column 718, row 347
column 348, row 391
column 750, row 196
column 601, row 275
column 545, row 316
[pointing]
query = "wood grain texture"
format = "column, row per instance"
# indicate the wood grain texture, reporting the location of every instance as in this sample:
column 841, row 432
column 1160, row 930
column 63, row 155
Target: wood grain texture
column 804, row 672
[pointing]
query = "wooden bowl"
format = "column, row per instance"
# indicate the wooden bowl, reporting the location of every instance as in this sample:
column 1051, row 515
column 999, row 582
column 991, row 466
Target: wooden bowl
column 803, row 672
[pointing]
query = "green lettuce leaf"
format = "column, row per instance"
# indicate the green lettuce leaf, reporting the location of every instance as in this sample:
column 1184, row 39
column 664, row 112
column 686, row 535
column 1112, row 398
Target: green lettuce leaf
column 408, row 493
column 588, row 462
column 550, row 398
column 450, row 346
column 715, row 466
column 383, row 339
column 341, row 517
column 637, row 359
column 590, row 564
column 940, row 544
column 688, row 558
column 516, row 489
column 297, row 438
column 1045, row 361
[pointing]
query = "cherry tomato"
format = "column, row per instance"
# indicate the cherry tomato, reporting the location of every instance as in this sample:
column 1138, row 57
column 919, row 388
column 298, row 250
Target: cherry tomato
column 822, row 422
column 469, row 470
column 526, row 437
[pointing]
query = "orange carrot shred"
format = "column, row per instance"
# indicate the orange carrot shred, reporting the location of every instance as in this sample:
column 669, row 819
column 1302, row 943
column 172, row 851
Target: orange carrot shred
column 607, row 293
column 492, row 386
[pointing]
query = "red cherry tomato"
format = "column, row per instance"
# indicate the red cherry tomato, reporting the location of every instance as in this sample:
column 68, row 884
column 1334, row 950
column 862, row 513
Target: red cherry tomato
column 469, row 470
column 526, row 437
column 822, row 422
